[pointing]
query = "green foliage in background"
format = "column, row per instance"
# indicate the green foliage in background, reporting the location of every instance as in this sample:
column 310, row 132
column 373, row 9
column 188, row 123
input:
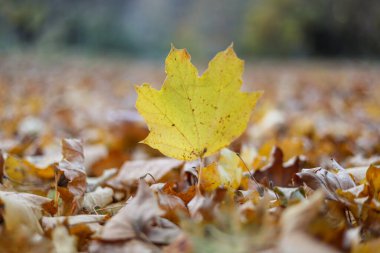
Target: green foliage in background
column 144, row 28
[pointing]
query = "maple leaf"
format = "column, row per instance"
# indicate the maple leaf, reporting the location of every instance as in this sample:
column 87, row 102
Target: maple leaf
column 278, row 172
column 192, row 116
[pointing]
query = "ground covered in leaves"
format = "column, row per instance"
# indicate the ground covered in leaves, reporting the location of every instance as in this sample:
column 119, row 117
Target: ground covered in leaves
column 304, row 177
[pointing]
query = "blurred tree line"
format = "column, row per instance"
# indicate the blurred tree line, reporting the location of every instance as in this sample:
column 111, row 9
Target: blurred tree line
column 145, row 28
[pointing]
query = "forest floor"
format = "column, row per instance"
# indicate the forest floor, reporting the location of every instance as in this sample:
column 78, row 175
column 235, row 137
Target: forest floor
column 61, row 117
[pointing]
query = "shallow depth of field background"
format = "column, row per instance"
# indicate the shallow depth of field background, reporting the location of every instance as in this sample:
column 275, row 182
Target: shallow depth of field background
column 145, row 28
column 68, row 67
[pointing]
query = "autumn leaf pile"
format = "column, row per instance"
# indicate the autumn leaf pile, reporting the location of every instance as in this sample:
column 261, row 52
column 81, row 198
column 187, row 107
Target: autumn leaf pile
column 298, row 173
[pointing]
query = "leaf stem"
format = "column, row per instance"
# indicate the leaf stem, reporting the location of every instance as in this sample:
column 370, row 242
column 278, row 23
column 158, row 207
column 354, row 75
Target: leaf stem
column 260, row 189
column 201, row 166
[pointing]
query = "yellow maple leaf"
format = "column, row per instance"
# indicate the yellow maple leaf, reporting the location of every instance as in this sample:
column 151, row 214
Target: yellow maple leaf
column 192, row 117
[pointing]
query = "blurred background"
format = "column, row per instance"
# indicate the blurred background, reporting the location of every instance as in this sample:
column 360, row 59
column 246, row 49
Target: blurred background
column 68, row 69
column 145, row 28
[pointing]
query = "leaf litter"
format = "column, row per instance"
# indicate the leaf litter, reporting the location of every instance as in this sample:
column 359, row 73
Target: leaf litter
column 75, row 179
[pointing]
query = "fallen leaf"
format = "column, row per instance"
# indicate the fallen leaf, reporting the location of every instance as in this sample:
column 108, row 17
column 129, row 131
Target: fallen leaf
column 181, row 245
column 226, row 173
column 133, row 246
column 367, row 247
column 51, row 222
column 373, row 179
column 204, row 207
column 328, row 181
column 72, row 176
column 186, row 195
column 98, row 198
column 173, row 206
column 209, row 177
column 132, row 171
column 63, row 242
column 358, row 173
column 278, row 172
column 294, row 222
column 139, row 219
column 230, row 170
column 24, row 209
column 290, row 196
column 25, row 176
column 191, row 116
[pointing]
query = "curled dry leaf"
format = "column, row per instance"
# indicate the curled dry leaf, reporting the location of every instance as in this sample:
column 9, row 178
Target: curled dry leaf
column 358, row 173
column 71, row 176
column 139, row 219
column 98, row 198
column 328, row 181
column 132, row 171
column 24, row 209
column 20, row 229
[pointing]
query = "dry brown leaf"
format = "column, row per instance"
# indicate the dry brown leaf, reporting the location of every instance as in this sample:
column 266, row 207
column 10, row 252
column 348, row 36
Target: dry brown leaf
column 186, row 195
column 72, row 176
column 63, row 242
column 278, row 172
column 132, row 171
column 24, row 209
column 204, row 207
column 51, row 222
column 173, row 206
column 132, row 246
column 181, row 245
column 328, row 181
column 139, row 219
column 358, row 173
column 294, row 223
column 98, row 198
